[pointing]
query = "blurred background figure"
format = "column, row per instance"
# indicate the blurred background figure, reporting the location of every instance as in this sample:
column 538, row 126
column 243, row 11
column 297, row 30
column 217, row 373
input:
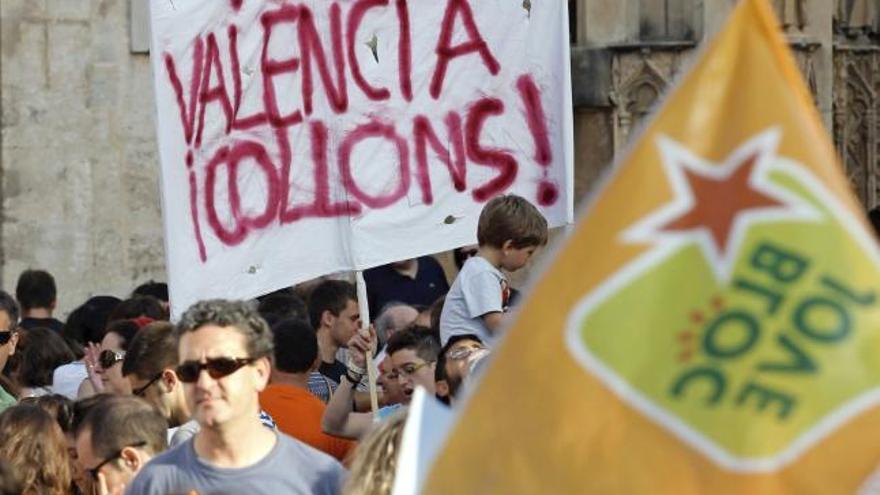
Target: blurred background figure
column 32, row 442
column 375, row 459
column 40, row 351
column 416, row 281
column 86, row 324
column 159, row 290
column 116, row 438
column 37, row 297
column 8, row 343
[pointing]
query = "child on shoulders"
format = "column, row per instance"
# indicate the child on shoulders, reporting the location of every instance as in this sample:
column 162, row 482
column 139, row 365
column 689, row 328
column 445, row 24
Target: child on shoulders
column 509, row 231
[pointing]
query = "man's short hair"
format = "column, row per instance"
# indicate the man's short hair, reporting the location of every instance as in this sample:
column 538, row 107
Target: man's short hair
column 153, row 349
column 42, row 350
column 119, row 421
column 8, row 304
column 425, row 345
column 82, row 407
column 159, row 290
column 511, row 218
column 88, row 322
column 241, row 315
column 35, row 289
column 282, row 305
column 137, row 306
column 296, row 345
column 330, row 295
column 458, row 338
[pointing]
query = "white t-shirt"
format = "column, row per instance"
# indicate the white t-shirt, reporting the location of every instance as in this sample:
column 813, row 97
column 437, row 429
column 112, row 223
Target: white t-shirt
column 480, row 288
column 182, row 433
column 67, row 378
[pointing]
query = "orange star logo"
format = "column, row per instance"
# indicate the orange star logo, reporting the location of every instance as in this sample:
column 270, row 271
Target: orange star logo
column 714, row 203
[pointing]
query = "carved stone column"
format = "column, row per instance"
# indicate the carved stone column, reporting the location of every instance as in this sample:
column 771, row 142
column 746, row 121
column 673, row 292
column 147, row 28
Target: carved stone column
column 857, row 95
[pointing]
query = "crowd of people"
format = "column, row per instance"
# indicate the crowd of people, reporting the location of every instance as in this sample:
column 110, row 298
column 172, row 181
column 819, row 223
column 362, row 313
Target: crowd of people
column 266, row 396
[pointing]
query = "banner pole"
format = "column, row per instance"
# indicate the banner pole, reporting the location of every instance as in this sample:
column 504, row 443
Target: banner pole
column 365, row 327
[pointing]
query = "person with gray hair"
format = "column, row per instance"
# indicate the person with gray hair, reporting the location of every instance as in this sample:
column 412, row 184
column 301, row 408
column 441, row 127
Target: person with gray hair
column 395, row 316
column 225, row 353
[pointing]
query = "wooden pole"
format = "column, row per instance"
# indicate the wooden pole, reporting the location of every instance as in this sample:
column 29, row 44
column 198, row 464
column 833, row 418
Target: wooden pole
column 365, row 327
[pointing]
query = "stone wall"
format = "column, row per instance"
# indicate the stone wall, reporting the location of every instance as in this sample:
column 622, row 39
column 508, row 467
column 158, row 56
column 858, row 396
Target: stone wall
column 80, row 193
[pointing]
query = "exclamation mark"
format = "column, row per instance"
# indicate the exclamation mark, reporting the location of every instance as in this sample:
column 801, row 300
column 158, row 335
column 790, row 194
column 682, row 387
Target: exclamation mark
column 548, row 192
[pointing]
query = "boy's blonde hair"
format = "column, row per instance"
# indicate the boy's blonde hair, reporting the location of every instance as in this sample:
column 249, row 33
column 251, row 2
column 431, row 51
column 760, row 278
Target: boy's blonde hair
column 511, row 218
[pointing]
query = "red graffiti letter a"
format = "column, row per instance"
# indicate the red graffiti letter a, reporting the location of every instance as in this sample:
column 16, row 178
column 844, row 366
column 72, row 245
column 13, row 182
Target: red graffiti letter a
column 446, row 52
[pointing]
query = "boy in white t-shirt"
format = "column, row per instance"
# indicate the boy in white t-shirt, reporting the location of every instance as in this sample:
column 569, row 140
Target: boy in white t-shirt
column 509, row 231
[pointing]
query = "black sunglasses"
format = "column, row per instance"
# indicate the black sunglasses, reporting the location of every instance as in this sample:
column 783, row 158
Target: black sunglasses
column 5, row 337
column 97, row 469
column 217, row 368
column 139, row 392
column 108, row 358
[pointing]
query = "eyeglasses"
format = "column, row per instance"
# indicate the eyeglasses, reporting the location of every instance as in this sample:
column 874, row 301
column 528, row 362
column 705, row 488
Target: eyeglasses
column 108, row 358
column 463, row 353
column 217, row 368
column 5, row 337
column 97, row 469
column 409, row 369
column 139, row 392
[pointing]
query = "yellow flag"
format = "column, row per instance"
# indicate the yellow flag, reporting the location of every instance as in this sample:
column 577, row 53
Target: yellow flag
column 711, row 325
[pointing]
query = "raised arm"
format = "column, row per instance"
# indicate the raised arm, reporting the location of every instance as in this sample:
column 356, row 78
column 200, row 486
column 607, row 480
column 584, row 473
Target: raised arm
column 339, row 419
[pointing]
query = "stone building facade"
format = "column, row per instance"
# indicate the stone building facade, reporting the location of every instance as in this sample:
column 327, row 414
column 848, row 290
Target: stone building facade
column 626, row 53
column 79, row 164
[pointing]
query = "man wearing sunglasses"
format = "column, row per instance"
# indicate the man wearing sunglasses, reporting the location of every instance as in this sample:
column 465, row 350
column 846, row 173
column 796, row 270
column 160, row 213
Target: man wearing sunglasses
column 117, row 437
column 149, row 367
column 225, row 351
column 8, row 341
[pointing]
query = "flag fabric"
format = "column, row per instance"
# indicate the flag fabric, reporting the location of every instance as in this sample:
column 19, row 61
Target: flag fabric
column 427, row 422
column 711, row 325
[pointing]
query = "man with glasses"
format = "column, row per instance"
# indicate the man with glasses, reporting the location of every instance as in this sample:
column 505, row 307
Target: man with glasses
column 413, row 353
column 117, row 437
column 149, row 367
column 225, row 351
column 459, row 355
column 8, row 341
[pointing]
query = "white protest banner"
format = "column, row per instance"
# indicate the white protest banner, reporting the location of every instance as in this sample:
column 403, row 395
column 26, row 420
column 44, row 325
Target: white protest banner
column 300, row 138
